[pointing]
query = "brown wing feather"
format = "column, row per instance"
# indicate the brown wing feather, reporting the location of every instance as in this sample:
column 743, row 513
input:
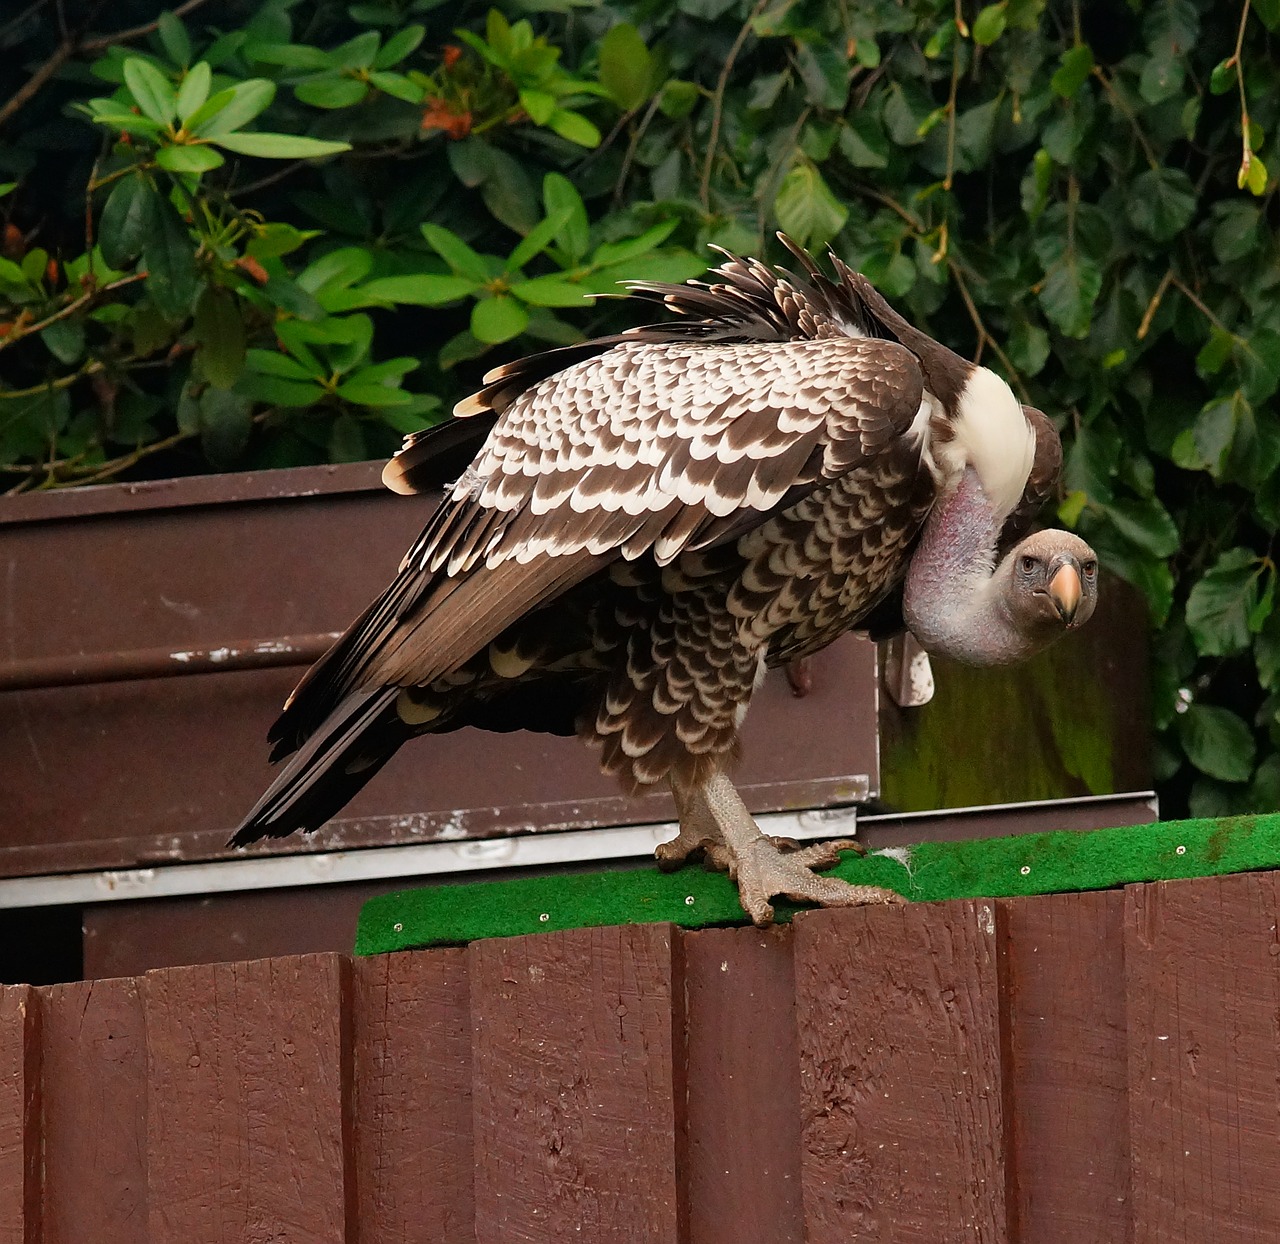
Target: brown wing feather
column 647, row 448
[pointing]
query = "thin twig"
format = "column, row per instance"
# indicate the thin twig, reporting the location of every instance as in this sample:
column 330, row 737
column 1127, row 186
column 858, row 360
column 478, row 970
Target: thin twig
column 1246, row 149
column 76, row 43
column 1196, row 301
column 637, row 134
column 951, row 117
column 10, row 26
column 717, row 104
column 980, row 328
column 101, row 42
column 880, row 197
column 62, row 382
column 270, row 179
column 1118, row 100
column 1154, row 305
column 70, row 309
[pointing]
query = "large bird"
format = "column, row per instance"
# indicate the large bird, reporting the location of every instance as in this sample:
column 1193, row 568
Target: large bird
column 642, row 524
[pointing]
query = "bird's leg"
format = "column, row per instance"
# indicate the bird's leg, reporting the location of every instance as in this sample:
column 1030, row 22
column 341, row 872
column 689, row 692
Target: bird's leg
column 698, row 832
column 714, row 817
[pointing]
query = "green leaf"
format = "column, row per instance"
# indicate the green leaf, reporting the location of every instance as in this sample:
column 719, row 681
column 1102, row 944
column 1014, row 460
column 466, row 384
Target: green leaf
column 194, row 90
column 990, row 24
column 230, row 109
column 561, row 198
column 280, row 146
column 552, row 291
column 174, row 38
column 806, row 209
column 539, row 105
column 626, row 68
column 574, row 128
column 495, row 320
column 1074, row 67
column 331, row 91
column 290, row 55
column 1068, row 294
column 538, row 239
column 64, row 340
column 633, row 248
column 457, row 254
column 225, row 425
column 346, row 440
column 1161, row 202
column 419, row 290
column 336, row 269
column 1223, row 77
column 273, row 363
column 1268, row 12
column 678, row 98
column 188, row 158
column 1207, row 445
column 278, row 238
column 1253, row 175
column 399, row 46
column 1219, row 605
column 358, row 52
column 278, row 391
column 126, row 219
column 1217, row 742
column 376, row 395
column 863, row 143
column 397, row 86
column 1146, row 523
column 218, row 328
column 150, row 89
column 168, row 253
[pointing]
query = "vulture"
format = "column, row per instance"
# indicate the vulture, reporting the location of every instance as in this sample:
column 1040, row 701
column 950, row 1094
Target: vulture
column 635, row 528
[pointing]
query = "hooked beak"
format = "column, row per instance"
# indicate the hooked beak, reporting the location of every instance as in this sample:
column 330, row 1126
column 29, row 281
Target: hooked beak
column 1064, row 591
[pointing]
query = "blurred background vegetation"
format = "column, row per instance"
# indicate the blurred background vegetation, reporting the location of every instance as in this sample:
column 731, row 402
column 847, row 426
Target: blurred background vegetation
column 245, row 234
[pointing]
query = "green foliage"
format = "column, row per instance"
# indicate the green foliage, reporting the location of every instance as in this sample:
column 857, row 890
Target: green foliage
column 313, row 228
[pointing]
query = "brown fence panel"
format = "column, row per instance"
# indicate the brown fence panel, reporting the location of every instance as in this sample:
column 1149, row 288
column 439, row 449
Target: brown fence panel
column 900, row 1073
column 1068, row 1067
column 1203, row 964
column 94, row 1094
column 743, row 1174
column 413, row 1145
column 578, row 1082
column 247, row 1109
column 19, row 1116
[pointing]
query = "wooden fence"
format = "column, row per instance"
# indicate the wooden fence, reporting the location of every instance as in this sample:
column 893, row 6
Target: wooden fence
column 1083, row 1067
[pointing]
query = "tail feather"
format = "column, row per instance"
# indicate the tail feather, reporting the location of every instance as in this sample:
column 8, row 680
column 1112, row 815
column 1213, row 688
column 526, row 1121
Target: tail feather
column 349, row 747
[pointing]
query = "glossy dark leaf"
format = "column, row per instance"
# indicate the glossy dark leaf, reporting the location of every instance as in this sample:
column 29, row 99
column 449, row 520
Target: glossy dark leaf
column 1217, row 742
column 1220, row 603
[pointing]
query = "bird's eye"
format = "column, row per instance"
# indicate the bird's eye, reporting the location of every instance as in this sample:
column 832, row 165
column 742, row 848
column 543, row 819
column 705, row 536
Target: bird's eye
column 1028, row 564
column 1090, row 569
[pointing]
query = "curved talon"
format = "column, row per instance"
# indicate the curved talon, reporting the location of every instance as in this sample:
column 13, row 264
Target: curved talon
column 672, row 855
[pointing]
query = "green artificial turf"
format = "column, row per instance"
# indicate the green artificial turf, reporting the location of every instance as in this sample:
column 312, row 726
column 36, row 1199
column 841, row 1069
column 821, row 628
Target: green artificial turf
column 984, row 868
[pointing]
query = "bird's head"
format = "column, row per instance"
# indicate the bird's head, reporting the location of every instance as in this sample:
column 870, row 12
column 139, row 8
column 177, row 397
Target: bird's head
column 1051, row 584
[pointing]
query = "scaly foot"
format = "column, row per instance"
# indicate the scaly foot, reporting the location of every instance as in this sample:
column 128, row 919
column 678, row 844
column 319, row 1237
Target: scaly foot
column 763, row 872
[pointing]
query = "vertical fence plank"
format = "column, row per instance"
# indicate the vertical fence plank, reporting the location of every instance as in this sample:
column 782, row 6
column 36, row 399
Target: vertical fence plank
column 94, row 1093
column 1068, row 1072
column 900, row 1074
column 413, row 1145
column 744, row 1088
column 248, row 1112
column 19, row 1116
column 579, row 1094
column 1203, row 965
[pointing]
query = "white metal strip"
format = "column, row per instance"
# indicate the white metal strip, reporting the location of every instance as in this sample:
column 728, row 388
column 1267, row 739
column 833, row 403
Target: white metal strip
column 377, row 863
